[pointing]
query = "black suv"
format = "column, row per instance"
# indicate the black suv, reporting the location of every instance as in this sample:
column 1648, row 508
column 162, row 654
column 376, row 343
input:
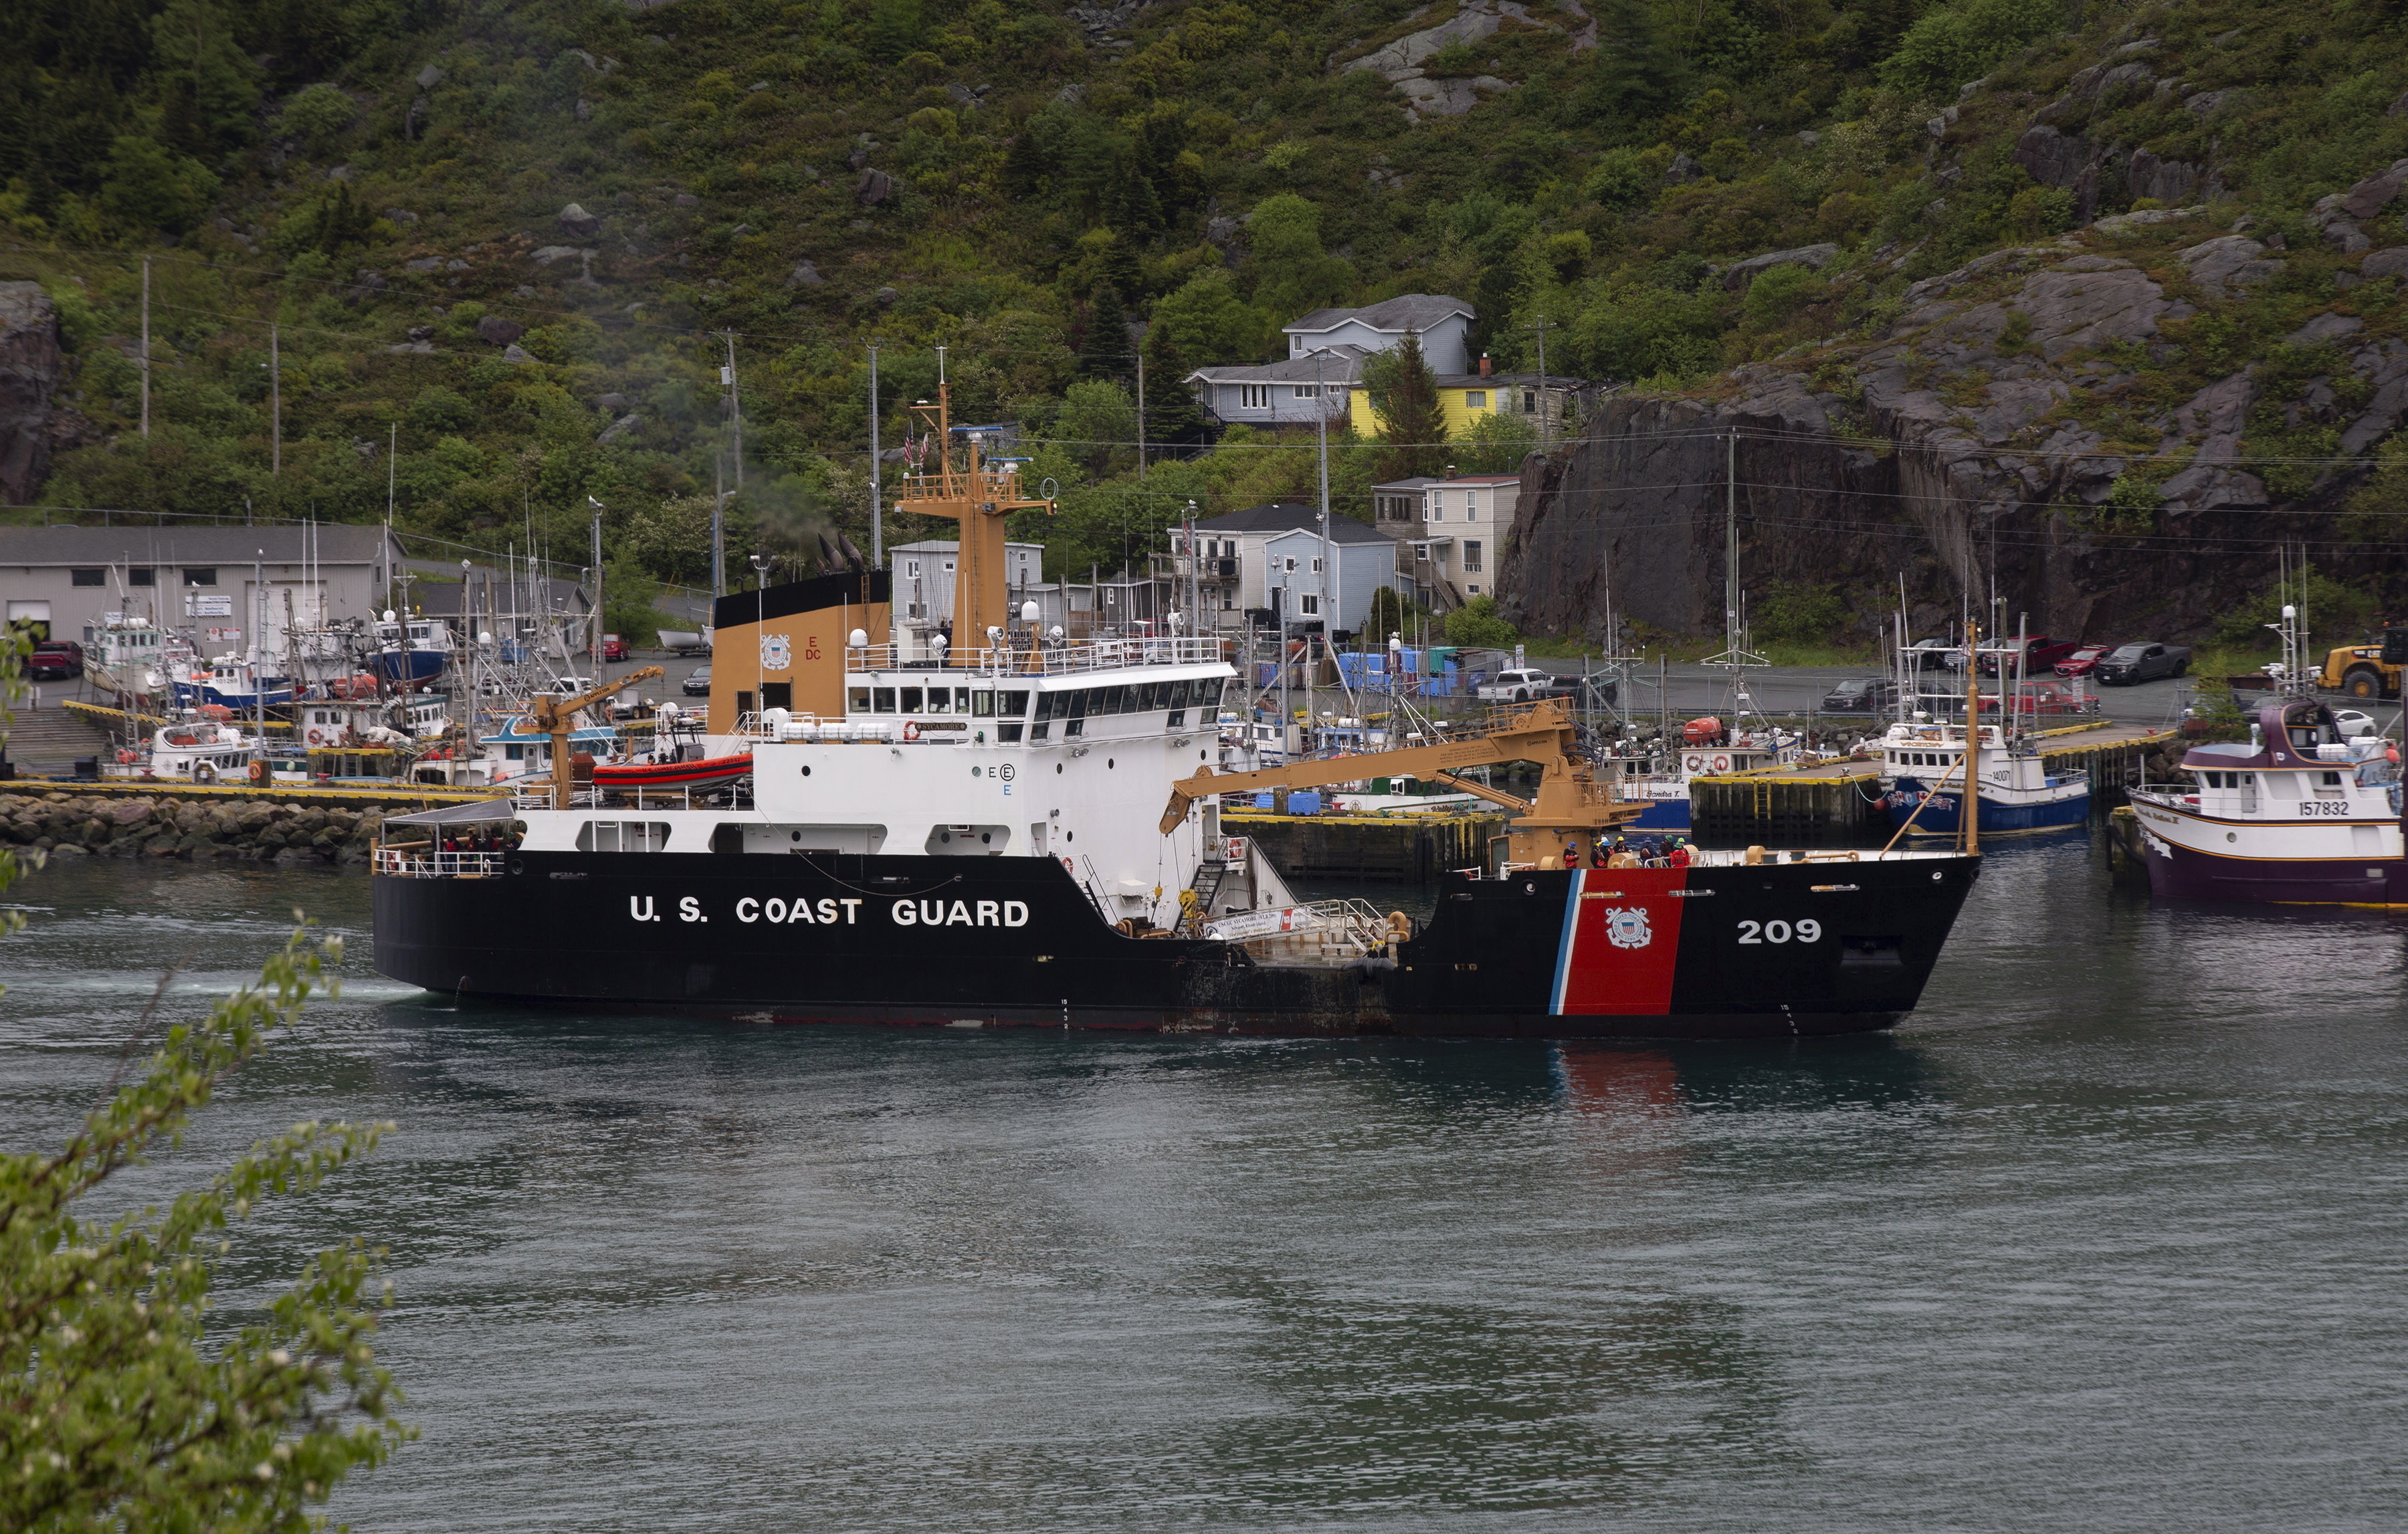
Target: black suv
column 1860, row 694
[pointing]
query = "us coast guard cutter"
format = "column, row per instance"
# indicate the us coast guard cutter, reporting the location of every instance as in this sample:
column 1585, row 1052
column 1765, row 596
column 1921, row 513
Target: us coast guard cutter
column 977, row 834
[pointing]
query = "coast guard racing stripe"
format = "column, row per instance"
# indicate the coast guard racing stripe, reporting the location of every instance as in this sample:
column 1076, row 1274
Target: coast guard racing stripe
column 1621, row 943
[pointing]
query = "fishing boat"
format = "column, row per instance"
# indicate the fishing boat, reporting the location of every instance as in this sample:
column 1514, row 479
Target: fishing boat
column 409, row 655
column 233, row 682
column 1923, row 757
column 124, row 657
column 1027, row 831
column 1924, row 767
column 2298, row 816
column 193, row 751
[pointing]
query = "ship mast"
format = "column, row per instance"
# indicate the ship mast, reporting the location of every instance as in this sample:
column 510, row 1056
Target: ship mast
column 979, row 497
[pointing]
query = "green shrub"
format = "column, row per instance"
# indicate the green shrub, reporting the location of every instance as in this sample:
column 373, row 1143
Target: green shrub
column 149, row 186
column 1619, row 180
column 1952, row 44
column 437, row 411
column 1476, row 625
column 1778, row 294
column 1791, row 613
column 316, row 113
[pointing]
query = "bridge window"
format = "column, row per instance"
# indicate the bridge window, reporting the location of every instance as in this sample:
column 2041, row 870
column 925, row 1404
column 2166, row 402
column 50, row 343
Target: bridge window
column 911, row 702
column 1012, row 704
column 881, row 700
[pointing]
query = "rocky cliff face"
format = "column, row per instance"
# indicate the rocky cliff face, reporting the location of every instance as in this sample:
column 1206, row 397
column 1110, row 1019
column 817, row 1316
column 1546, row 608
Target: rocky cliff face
column 1983, row 434
column 30, row 362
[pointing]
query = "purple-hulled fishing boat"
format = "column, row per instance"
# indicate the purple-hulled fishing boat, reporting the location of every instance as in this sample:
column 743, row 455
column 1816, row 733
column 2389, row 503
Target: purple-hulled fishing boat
column 2297, row 816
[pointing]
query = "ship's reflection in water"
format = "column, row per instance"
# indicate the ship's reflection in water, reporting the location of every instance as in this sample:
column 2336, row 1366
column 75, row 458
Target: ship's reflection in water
column 2107, row 1237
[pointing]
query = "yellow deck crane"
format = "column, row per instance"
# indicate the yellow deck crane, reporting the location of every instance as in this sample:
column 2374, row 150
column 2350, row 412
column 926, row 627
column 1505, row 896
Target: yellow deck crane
column 556, row 717
column 1572, row 807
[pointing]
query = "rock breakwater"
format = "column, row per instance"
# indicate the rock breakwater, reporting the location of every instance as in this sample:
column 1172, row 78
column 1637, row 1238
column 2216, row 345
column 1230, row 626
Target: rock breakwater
column 252, row 830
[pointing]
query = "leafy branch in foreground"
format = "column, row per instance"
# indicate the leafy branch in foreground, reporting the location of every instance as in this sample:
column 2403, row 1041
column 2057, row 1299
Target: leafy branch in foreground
column 122, row 1406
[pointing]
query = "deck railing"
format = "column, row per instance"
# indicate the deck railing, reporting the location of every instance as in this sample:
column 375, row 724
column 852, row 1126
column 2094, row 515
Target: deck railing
column 422, row 860
column 1047, row 659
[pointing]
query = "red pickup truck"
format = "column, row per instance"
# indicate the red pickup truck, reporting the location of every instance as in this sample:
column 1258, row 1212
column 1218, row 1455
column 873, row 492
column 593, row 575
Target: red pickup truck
column 2040, row 654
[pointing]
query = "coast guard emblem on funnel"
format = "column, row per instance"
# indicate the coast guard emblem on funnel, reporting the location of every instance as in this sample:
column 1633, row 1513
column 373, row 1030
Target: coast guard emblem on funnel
column 1627, row 928
column 777, row 652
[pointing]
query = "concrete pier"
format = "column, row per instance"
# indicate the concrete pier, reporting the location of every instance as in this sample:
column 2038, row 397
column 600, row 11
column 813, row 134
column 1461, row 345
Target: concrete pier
column 1835, row 804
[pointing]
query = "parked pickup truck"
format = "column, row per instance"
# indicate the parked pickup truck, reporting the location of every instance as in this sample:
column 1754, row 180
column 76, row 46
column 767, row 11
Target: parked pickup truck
column 2142, row 660
column 685, row 644
column 2040, row 654
column 1523, row 686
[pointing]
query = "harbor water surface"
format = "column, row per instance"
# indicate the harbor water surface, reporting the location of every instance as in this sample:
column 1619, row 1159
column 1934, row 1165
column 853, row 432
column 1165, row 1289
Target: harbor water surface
column 2107, row 1236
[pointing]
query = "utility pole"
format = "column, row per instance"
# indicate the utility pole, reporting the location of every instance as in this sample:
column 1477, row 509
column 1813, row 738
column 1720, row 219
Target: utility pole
column 734, row 406
column 719, row 532
column 1141, row 415
column 384, row 549
column 146, row 347
column 274, row 403
column 877, row 505
column 1541, row 325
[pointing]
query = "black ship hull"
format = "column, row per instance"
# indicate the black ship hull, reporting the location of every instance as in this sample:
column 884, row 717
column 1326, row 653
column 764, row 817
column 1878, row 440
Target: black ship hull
column 1736, row 951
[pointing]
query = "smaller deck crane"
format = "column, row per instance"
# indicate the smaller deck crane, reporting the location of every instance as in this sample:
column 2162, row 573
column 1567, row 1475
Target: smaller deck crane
column 1571, row 808
column 556, row 716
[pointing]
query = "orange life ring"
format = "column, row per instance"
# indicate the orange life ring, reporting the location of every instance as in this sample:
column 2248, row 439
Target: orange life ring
column 1694, row 761
column 317, row 736
column 1722, row 764
column 911, row 729
column 259, row 770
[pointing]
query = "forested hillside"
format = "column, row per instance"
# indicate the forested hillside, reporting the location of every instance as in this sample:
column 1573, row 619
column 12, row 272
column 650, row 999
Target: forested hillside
column 1044, row 192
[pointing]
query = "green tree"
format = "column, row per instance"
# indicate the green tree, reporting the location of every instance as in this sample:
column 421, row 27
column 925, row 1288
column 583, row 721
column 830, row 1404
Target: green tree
column 1106, row 353
column 627, row 597
column 671, row 541
column 1173, row 416
column 328, row 223
column 1497, row 443
column 150, row 186
column 1633, row 75
column 1404, row 398
column 1476, row 625
column 1210, row 323
column 124, row 1403
column 895, row 28
column 1392, row 612
column 1098, row 425
column 1951, row 44
column 316, row 113
column 1293, row 275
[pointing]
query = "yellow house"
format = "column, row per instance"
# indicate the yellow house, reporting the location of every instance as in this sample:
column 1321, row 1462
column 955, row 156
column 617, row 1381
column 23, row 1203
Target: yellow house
column 1549, row 404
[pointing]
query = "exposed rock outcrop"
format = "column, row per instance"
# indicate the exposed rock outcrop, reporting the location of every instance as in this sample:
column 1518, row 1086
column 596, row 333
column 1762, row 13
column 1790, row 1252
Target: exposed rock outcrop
column 1980, row 434
column 30, row 366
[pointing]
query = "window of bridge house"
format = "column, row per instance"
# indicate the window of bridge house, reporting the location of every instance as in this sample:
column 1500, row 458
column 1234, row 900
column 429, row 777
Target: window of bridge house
column 911, row 700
